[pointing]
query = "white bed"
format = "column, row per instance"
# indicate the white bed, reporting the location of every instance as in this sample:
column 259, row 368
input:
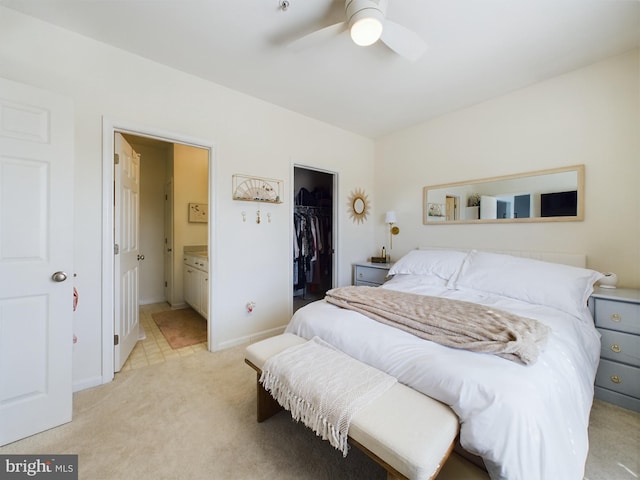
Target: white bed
column 526, row 422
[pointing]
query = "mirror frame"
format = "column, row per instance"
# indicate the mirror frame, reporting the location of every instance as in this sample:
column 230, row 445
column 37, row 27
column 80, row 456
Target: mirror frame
column 579, row 169
column 358, row 196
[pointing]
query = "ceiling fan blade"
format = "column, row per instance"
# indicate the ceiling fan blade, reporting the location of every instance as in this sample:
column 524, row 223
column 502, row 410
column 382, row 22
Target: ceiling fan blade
column 318, row 37
column 403, row 41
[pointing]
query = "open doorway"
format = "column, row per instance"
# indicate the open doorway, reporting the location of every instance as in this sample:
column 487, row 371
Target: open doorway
column 452, row 208
column 157, row 235
column 172, row 241
column 314, row 234
column 171, row 294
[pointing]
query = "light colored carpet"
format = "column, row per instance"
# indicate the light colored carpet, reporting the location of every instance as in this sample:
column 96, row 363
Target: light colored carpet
column 194, row 418
column 182, row 328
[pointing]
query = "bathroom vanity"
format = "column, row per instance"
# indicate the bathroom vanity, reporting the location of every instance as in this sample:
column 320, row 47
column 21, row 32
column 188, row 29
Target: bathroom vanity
column 196, row 281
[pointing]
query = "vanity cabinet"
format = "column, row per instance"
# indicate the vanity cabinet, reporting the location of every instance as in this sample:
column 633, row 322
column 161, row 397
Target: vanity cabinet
column 616, row 313
column 196, row 283
column 370, row 274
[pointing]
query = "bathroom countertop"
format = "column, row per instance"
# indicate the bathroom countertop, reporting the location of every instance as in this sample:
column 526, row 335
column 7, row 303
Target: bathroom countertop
column 197, row 251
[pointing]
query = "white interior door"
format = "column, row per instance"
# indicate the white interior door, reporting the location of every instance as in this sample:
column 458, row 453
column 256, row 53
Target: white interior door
column 36, row 260
column 127, row 241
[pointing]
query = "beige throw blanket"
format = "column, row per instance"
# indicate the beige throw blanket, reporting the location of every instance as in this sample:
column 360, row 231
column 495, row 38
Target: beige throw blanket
column 453, row 323
column 323, row 387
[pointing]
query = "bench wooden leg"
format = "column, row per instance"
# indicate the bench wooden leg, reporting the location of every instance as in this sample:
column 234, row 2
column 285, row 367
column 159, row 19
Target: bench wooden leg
column 267, row 405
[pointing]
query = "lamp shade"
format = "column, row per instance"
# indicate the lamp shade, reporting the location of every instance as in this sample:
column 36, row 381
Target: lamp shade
column 390, row 217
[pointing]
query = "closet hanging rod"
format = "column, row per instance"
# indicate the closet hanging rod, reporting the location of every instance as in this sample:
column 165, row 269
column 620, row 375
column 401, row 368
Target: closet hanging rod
column 311, row 207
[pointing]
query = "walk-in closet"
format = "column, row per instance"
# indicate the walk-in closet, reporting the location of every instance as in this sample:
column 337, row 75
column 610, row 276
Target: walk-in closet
column 313, row 232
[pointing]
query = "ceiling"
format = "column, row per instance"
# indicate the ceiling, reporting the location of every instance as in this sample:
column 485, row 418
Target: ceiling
column 477, row 49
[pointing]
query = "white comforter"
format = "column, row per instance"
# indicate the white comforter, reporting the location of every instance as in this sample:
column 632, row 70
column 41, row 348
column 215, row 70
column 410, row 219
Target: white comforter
column 526, row 422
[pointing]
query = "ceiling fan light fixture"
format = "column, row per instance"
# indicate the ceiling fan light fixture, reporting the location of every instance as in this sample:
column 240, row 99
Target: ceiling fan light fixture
column 365, row 19
column 365, row 30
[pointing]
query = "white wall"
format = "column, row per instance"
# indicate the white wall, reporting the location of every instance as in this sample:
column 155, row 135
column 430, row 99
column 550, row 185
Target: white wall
column 251, row 261
column 590, row 116
column 152, row 179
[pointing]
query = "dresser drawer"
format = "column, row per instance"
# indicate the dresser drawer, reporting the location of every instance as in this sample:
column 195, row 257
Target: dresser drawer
column 620, row 347
column 371, row 275
column 621, row 316
column 360, row 283
column 619, row 378
column 610, row 396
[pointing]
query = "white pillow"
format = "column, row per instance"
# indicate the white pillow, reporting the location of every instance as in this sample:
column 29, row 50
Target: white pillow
column 442, row 263
column 414, row 283
column 560, row 286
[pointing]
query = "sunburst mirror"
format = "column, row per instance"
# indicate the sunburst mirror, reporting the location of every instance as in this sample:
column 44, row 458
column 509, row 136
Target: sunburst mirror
column 358, row 206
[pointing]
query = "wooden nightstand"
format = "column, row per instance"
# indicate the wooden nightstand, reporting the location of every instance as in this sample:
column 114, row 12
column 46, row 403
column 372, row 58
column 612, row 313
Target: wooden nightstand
column 370, row 274
column 617, row 316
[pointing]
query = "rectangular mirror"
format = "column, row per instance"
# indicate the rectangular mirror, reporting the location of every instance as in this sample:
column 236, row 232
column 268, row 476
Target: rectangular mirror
column 555, row 195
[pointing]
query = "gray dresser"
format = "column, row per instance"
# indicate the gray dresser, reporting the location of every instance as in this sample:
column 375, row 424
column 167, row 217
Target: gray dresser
column 617, row 316
column 370, row 274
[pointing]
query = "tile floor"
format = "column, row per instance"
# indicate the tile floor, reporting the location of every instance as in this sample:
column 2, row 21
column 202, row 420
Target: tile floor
column 155, row 348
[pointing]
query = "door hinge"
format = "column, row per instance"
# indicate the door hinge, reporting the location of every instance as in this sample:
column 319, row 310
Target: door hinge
column 165, row 285
column 116, row 249
column 116, row 158
column 116, row 339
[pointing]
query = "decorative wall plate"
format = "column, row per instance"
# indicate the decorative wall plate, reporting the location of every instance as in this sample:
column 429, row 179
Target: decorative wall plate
column 358, row 206
column 256, row 189
column 198, row 212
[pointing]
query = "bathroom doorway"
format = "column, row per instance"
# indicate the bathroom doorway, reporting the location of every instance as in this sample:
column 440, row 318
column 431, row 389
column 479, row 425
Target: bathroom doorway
column 160, row 280
column 171, row 176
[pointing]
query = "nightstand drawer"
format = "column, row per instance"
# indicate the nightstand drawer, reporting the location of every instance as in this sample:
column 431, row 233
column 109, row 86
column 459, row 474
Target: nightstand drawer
column 371, row 274
column 610, row 396
column 621, row 316
column 620, row 347
column 361, row 283
column 619, row 378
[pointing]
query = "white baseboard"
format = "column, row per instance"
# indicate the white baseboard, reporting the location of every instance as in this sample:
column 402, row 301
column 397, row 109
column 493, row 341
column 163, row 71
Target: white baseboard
column 249, row 338
column 87, row 383
column 149, row 301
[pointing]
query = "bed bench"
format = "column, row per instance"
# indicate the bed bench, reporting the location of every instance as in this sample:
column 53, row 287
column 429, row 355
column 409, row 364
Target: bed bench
column 409, row 434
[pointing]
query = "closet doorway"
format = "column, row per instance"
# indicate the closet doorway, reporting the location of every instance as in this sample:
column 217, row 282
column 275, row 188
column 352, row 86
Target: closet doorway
column 314, row 234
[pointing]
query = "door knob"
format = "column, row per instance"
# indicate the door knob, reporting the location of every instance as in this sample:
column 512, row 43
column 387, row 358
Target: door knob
column 140, row 257
column 59, row 277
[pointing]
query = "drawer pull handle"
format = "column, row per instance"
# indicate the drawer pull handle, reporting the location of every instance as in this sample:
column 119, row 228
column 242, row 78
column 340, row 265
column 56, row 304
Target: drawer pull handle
column 616, row 317
column 616, row 379
column 616, row 348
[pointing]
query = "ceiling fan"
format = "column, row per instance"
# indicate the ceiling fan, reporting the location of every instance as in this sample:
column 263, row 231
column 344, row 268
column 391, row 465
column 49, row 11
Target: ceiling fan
column 367, row 23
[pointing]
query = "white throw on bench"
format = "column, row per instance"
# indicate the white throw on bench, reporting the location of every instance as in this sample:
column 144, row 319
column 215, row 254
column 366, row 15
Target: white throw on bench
column 406, row 432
